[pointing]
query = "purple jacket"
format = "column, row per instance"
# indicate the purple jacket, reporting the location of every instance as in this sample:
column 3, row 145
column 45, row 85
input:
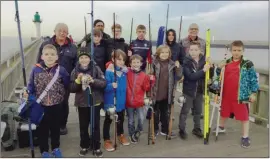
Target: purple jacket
column 39, row 79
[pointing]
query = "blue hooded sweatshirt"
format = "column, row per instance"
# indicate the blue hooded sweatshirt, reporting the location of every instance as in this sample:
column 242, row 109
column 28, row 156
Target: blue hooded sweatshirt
column 121, row 79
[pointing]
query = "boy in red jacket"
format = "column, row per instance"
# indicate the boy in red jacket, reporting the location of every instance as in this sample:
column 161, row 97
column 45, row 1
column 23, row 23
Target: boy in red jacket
column 138, row 83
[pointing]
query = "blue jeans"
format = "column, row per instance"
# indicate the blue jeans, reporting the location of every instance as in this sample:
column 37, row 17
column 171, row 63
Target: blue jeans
column 131, row 121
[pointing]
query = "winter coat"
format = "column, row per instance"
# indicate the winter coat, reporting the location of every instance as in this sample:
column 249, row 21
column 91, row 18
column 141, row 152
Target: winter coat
column 100, row 54
column 194, row 76
column 109, row 93
column 67, row 53
column 142, row 48
column 41, row 76
column 97, row 87
column 137, row 84
column 175, row 74
column 248, row 81
column 178, row 52
column 186, row 43
column 119, row 44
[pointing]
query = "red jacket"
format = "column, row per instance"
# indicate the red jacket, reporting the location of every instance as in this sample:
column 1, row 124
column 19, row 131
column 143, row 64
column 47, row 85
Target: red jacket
column 137, row 85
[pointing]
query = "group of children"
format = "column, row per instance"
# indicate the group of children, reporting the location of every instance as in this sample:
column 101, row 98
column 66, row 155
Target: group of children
column 130, row 85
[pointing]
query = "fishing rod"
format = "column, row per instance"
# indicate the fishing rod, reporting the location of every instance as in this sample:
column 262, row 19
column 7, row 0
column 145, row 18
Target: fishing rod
column 17, row 19
column 180, row 29
column 150, row 111
column 206, row 94
column 85, row 32
column 91, row 102
column 131, row 29
column 166, row 27
column 115, row 80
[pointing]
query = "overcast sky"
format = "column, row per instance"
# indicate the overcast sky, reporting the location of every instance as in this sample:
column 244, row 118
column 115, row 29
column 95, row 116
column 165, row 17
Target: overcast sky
column 245, row 20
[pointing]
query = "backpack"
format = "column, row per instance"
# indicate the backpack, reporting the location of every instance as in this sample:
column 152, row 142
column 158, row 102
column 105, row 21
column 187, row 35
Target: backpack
column 8, row 112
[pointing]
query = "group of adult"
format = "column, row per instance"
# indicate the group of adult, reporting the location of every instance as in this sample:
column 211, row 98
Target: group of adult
column 67, row 52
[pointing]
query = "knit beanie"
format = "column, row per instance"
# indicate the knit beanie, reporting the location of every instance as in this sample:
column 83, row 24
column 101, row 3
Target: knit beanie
column 84, row 51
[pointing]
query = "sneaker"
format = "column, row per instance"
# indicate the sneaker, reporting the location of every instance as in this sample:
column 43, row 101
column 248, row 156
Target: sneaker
column 173, row 135
column 136, row 135
column 46, row 155
column 98, row 153
column 108, row 145
column 102, row 112
column 123, row 140
column 83, row 152
column 133, row 140
column 57, row 153
column 245, row 142
column 63, row 131
column 197, row 132
column 220, row 129
column 183, row 134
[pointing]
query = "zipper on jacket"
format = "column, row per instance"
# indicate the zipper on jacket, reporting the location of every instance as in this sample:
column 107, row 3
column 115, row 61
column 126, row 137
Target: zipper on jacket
column 134, row 82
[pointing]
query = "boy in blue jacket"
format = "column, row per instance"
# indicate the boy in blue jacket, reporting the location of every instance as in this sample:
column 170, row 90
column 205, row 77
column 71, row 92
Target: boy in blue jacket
column 120, row 88
column 40, row 77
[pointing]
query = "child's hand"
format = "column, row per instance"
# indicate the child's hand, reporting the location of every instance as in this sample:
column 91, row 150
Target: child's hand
column 206, row 67
column 25, row 95
column 252, row 98
column 209, row 61
column 181, row 80
column 79, row 77
column 114, row 85
column 90, row 79
column 177, row 64
column 152, row 77
column 129, row 53
column 222, row 64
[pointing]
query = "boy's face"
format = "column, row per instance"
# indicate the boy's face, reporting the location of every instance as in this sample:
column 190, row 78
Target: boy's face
column 194, row 51
column 237, row 51
column 141, row 34
column 84, row 60
column 49, row 56
column 117, row 33
column 97, row 39
column 120, row 61
column 164, row 54
column 99, row 26
column 136, row 64
column 170, row 36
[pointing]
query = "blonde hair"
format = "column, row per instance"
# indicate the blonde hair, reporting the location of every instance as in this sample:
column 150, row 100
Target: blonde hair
column 116, row 26
column 49, row 46
column 162, row 47
column 119, row 53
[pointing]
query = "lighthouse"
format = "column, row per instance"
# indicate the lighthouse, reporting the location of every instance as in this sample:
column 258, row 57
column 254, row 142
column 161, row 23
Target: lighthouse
column 37, row 22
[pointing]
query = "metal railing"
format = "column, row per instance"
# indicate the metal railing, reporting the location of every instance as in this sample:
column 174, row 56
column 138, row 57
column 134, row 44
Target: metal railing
column 11, row 71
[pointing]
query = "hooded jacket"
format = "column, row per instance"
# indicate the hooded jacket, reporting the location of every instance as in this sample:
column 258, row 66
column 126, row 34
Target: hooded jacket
column 97, row 87
column 67, row 53
column 248, row 81
column 41, row 76
column 178, row 52
column 119, row 44
column 194, row 76
column 121, row 79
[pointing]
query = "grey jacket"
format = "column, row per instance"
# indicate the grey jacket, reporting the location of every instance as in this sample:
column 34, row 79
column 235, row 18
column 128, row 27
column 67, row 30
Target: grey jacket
column 175, row 74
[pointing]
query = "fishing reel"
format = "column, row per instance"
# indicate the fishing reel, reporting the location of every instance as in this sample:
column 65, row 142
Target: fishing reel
column 111, row 112
column 149, row 113
column 19, row 94
column 85, row 81
column 215, row 87
column 181, row 99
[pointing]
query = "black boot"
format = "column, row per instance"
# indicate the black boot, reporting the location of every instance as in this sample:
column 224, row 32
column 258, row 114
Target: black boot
column 197, row 132
column 183, row 134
